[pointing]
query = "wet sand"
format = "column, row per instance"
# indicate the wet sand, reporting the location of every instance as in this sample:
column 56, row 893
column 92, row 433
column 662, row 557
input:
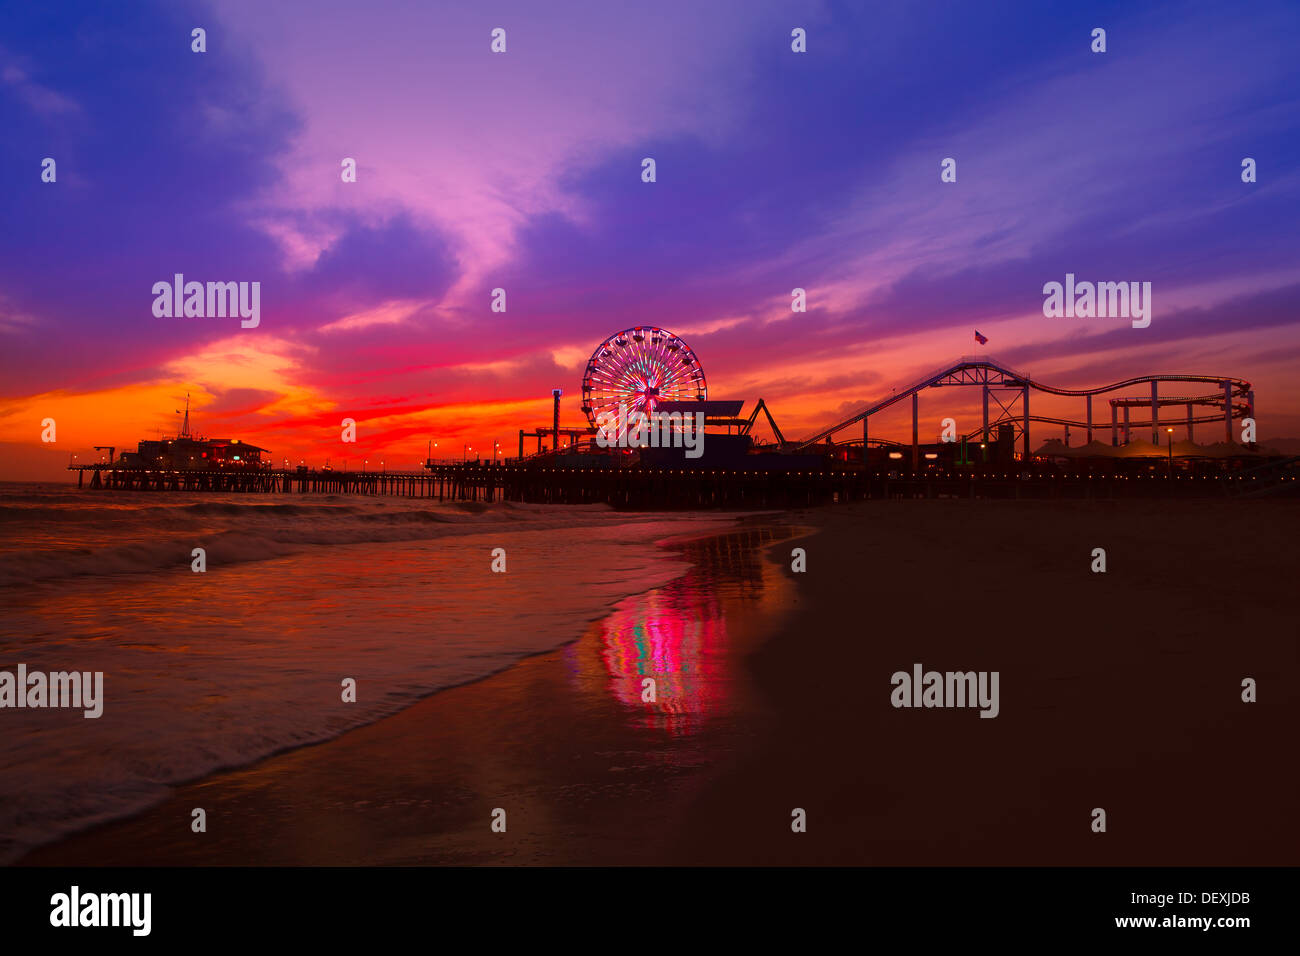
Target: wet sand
column 1119, row 690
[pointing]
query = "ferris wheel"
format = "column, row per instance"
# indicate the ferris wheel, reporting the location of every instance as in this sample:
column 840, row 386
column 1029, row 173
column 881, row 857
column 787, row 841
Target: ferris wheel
column 640, row 368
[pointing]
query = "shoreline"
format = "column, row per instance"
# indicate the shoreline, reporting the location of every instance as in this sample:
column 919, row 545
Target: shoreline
column 480, row 711
column 193, row 694
column 1119, row 691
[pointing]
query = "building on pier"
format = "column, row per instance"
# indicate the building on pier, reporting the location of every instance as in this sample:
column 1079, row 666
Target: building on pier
column 188, row 452
column 185, row 453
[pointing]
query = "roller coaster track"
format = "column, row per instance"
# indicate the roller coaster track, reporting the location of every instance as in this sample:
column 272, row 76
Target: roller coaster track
column 1232, row 395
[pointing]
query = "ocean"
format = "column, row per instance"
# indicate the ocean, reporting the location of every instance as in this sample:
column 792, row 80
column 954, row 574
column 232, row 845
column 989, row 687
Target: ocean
column 204, row 671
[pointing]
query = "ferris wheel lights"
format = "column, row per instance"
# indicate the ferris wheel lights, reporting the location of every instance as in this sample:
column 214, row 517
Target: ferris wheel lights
column 640, row 376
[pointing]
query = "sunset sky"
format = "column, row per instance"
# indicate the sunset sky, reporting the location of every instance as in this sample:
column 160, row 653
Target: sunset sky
column 522, row 170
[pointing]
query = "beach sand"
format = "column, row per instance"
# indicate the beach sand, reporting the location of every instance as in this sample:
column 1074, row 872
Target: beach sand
column 1119, row 690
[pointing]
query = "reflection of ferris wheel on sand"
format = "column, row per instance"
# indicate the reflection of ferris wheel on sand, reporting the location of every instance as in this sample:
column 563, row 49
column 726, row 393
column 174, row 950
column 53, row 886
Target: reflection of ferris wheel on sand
column 640, row 368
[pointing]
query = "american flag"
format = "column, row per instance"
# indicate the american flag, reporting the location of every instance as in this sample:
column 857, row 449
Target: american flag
column 980, row 339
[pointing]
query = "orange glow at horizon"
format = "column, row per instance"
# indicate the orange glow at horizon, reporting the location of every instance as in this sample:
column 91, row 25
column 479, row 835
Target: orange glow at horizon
column 272, row 407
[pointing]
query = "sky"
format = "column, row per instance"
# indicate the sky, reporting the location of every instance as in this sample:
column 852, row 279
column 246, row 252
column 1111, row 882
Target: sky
column 522, row 170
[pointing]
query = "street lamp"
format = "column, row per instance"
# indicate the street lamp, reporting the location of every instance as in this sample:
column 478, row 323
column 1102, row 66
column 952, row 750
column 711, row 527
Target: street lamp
column 465, row 450
column 495, row 446
column 1171, row 449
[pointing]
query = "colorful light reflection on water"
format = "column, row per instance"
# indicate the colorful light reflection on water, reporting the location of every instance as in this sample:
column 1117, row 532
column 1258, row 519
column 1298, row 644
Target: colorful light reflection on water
column 678, row 634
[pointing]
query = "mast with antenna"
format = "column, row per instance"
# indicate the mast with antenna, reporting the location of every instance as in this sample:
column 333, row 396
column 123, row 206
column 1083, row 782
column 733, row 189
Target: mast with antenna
column 185, row 427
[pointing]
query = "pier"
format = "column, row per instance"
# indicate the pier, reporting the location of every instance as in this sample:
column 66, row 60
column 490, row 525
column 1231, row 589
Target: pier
column 636, row 488
column 739, row 473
